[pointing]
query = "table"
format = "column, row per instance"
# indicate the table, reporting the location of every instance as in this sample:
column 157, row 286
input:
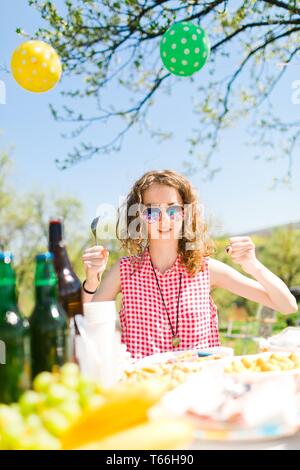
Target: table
column 286, row 443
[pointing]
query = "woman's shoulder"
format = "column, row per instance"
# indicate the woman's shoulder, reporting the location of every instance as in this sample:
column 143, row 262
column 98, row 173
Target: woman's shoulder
column 128, row 263
column 133, row 258
column 133, row 265
column 214, row 264
column 205, row 263
column 217, row 269
column 124, row 261
column 127, row 260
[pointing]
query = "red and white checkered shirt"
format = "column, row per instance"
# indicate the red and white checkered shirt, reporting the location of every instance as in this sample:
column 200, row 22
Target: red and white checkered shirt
column 144, row 322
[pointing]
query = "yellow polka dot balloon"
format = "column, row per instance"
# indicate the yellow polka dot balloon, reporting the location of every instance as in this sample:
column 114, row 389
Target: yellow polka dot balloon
column 36, row 66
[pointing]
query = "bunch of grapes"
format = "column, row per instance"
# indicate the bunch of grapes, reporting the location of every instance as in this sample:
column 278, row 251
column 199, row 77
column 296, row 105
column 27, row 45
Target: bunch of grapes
column 43, row 414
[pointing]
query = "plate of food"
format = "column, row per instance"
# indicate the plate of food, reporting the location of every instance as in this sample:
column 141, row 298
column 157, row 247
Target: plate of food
column 267, row 364
column 174, row 368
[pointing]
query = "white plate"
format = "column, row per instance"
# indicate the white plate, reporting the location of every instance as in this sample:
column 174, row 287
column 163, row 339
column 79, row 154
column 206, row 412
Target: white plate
column 259, row 434
column 163, row 357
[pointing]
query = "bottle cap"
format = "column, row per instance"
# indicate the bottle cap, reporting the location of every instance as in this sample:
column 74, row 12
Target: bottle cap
column 55, row 230
column 44, row 256
column 6, row 256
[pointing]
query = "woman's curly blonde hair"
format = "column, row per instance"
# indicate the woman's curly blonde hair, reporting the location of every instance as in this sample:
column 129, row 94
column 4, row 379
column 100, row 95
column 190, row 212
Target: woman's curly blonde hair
column 201, row 245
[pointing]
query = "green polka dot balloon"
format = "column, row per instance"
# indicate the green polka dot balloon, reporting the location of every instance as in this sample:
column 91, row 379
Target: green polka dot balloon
column 184, row 49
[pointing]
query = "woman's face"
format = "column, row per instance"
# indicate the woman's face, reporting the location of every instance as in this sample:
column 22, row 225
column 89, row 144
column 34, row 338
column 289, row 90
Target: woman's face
column 166, row 223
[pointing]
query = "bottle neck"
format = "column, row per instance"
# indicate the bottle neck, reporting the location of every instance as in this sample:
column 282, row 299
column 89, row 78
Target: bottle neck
column 61, row 258
column 8, row 297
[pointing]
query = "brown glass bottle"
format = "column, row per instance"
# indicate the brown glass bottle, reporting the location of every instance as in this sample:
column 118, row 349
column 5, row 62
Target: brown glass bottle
column 69, row 285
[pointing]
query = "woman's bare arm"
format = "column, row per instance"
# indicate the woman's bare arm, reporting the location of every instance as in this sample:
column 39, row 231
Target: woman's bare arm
column 110, row 286
column 266, row 289
column 95, row 260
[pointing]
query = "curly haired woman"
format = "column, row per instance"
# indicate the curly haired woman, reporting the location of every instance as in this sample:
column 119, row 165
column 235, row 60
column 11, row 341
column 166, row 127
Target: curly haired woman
column 166, row 280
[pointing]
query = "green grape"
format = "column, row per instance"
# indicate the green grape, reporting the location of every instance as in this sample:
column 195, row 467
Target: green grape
column 70, row 369
column 36, row 437
column 9, row 416
column 55, row 422
column 86, row 386
column 27, row 442
column 57, row 394
column 47, row 442
column 30, row 402
column 43, row 381
column 15, row 407
column 13, row 435
column 34, row 422
column 40, row 440
column 71, row 410
column 70, row 381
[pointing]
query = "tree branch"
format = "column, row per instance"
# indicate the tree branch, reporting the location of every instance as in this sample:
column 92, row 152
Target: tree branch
column 283, row 5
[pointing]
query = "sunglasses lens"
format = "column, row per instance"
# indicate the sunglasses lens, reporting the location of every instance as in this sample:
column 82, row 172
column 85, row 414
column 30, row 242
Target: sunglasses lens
column 151, row 215
column 174, row 212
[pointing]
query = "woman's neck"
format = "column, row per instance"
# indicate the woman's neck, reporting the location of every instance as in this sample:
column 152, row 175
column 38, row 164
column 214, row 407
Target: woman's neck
column 163, row 254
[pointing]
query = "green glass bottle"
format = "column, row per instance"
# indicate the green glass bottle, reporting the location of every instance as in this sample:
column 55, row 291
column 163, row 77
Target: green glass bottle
column 14, row 337
column 48, row 322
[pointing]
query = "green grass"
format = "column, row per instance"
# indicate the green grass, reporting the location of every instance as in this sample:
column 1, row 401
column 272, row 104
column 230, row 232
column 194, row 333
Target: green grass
column 248, row 345
column 239, row 345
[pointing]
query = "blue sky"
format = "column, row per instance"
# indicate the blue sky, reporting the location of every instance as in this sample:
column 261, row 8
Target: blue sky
column 238, row 197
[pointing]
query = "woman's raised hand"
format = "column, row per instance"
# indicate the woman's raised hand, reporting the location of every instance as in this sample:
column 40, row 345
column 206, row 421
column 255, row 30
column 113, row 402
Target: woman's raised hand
column 95, row 260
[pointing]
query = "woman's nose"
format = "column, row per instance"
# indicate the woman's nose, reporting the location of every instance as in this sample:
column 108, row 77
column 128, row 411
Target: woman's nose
column 164, row 219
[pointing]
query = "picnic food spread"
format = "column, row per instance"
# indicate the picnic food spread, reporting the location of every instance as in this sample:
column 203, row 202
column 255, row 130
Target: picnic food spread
column 270, row 362
column 67, row 411
column 170, row 372
column 164, row 401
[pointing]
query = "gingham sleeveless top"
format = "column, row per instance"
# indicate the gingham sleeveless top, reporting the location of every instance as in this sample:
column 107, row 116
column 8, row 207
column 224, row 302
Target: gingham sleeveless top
column 144, row 321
